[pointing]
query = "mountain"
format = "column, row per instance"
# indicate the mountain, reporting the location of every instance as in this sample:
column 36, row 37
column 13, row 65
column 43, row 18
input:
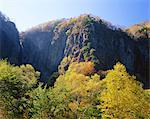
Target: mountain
column 54, row 45
column 140, row 30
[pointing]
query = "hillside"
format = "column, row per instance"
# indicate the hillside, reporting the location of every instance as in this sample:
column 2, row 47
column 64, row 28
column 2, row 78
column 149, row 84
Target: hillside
column 140, row 30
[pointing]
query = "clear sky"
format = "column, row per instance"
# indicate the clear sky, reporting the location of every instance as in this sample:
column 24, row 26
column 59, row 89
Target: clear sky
column 27, row 13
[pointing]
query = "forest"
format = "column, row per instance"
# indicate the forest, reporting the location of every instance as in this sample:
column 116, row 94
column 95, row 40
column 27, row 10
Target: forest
column 79, row 93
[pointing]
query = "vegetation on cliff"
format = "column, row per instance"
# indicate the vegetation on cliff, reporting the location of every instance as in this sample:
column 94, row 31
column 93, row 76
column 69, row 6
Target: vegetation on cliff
column 139, row 31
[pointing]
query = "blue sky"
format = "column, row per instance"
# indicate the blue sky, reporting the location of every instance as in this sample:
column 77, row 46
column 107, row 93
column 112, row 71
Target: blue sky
column 27, row 13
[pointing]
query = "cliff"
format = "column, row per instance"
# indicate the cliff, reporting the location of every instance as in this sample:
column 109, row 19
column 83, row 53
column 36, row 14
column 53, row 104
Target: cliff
column 9, row 40
column 141, row 34
column 52, row 46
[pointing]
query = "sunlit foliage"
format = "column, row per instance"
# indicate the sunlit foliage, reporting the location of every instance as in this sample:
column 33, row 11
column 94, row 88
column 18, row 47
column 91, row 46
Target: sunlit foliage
column 77, row 94
column 85, row 68
column 123, row 96
column 81, row 94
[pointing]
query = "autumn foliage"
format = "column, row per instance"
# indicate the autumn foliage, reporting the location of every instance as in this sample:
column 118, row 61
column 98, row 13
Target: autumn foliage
column 77, row 94
column 85, row 68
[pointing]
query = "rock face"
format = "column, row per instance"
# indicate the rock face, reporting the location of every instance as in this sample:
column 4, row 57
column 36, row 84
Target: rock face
column 42, row 49
column 141, row 34
column 9, row 40
column 141, row 64
column 52, row 46
column 85, row 38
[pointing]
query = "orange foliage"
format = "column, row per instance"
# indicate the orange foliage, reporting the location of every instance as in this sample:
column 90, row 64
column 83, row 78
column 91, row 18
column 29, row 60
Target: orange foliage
column 85, row 68
column 73, row 106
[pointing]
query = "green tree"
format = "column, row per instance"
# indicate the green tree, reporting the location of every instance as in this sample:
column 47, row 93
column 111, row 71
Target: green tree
column 47, row 103
column 15, row 82
column 39, row 103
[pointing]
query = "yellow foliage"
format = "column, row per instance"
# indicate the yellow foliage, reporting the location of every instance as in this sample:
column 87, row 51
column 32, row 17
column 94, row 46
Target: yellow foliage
column 123, row 96
column 83, row 90
column 78, row 93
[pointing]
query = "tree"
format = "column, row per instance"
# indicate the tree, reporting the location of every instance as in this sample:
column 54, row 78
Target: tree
column 47, row 103
column 123, row 96
column 15, row 82
column 79, row 93
column 39, row 103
